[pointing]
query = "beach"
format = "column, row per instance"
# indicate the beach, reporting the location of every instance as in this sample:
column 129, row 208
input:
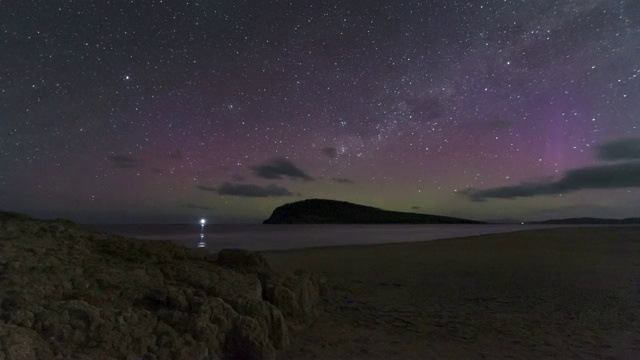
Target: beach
column 566, row 293
column 570, row 293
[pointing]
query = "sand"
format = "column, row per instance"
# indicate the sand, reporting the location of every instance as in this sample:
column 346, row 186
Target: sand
column 571, row 293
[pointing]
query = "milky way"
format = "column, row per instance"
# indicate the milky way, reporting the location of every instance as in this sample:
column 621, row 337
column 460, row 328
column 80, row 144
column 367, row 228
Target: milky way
column 136, row 111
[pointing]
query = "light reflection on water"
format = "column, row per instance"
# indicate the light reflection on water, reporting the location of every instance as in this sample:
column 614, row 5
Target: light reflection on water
column 280, row 237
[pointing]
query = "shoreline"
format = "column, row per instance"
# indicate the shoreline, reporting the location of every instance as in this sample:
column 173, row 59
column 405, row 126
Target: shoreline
column 461, row 237
column 292, row 237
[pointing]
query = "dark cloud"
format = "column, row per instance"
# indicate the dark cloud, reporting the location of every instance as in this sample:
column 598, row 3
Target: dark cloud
column 175, row 154
column 123, row 161
column 279, row 168
column 329, row 152
column 343, row 180
column 248, row 190
column 616, row 176
column 156, row 170
column 625, row 149
column 199, row 207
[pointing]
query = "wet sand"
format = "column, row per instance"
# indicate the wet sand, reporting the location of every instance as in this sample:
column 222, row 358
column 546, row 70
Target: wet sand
column 571, row 293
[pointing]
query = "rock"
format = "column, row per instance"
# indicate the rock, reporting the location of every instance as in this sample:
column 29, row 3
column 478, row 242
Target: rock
column 203, row 330
column 249, row 341
column 188, row 349
column 298, row 296
column 284, row 299
column 233, row 285
column 81, row 315
column 269, row 317
column 307, row 294
column 19, row 343
column 69, row 293
column 220, row 313
column 214, row 280
column 242, row 259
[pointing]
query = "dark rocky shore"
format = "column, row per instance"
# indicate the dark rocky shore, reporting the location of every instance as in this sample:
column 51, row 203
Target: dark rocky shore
column 69, row 293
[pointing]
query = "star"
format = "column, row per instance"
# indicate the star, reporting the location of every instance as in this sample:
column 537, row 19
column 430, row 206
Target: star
column 434, row 92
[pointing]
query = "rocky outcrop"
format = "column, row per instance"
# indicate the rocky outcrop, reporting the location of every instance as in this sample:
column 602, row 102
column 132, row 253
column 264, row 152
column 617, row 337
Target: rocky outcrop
column 320, row 211
column 296, row 295
column 243, row 260
column 65, row 292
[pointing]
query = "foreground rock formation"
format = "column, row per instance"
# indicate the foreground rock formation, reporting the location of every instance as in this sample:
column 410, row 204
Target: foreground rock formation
column 69, row 293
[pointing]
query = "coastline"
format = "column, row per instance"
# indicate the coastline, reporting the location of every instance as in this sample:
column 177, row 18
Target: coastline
column 258, row 237
column 569, row 292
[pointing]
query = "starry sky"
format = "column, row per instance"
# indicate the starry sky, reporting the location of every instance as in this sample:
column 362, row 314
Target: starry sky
column 166, row 111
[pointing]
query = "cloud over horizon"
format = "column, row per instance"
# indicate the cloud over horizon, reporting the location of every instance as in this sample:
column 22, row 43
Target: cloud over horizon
column 247, row 190
column 625, row 149
column 278, row 168
column 615, row 176
column 611, row 176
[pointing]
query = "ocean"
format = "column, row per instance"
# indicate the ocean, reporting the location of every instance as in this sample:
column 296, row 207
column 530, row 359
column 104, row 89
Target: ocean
column 282, row 237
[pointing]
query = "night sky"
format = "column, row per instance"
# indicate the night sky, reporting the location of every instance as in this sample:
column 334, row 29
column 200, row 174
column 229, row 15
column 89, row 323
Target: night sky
column 165, row 111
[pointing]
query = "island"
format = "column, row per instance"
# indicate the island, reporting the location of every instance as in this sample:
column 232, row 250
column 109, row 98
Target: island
column 321, row 211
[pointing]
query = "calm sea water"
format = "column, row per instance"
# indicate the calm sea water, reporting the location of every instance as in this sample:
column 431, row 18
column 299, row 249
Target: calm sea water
column 281, row 237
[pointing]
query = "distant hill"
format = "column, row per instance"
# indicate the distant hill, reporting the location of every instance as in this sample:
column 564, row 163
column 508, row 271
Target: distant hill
column 318, row 211
column 588, row 220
